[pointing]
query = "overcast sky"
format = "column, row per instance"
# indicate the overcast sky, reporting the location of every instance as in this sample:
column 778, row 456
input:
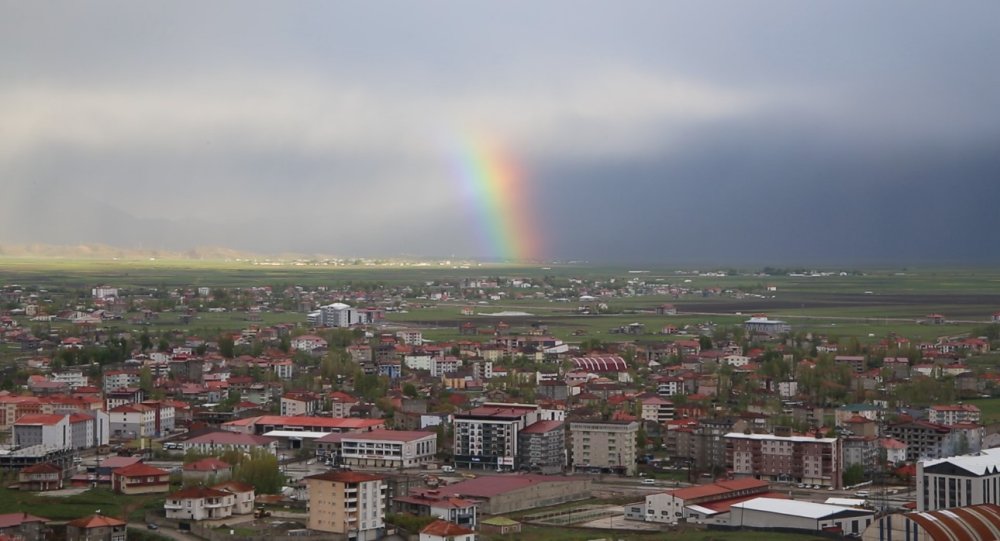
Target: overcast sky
column 660, row 131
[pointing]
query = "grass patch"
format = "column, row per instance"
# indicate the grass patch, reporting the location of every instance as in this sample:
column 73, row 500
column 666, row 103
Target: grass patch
column 83, row 504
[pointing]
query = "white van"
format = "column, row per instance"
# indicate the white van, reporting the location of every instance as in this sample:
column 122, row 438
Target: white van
column 448, row 469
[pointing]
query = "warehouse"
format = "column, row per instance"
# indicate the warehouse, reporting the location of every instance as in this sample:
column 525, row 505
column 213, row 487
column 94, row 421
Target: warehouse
column 799, row 515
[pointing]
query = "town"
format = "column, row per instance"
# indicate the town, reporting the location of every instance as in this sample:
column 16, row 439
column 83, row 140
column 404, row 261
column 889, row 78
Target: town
column 495, row 403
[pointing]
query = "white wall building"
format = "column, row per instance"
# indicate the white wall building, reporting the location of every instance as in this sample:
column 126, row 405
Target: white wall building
column 959, row 481
column 801, row 515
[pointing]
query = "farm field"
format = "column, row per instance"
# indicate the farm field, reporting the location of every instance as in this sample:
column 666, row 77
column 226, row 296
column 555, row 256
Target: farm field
column 867, row 306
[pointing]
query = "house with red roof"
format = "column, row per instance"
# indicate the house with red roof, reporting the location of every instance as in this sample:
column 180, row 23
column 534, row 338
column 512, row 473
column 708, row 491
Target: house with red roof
column 209, row 469
column 40, row 477
column 442, row 530
column 140, row 478
column 95, row 528
column 22, row 526
column 426, row 503
column 199, row 503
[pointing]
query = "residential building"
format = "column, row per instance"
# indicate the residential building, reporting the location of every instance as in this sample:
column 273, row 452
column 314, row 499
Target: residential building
column 380, row 448
column 953, row 414
column 199, row 503
column 801, row 459
column 487, row 437
column 23, row 526
column 925, row 440
column 125, row 395
column 96, row 528
column 862, row 451
column 343, row 315
column 959, row 481
column 40, row 477
column 244, row 496
column 348, row 503
column 604, row 445
column 300, row 403
column 425, row 503
column 542, row 446
column 442, row 530
column 140, row 479
column 132, row 421
column 657, row 410
column 206, row 471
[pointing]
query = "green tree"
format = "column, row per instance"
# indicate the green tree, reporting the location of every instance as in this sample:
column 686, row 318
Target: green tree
column 260, row 469
column 227, row 347
column 854, row 475
column 410, row 390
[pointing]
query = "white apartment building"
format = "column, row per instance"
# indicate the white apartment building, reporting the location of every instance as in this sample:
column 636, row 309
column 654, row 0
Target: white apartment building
column 604, row 445
column 133, row 421
column 487, row 437
column 447, row 365
column 49, row 430
column 381, row 448
column 72, row 378
column 119, row 379
column 657, row 410
column 953, row 414
column 199, row 503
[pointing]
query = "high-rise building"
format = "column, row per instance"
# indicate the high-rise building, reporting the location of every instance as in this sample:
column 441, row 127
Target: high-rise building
column 604, row 445
column 347, row 503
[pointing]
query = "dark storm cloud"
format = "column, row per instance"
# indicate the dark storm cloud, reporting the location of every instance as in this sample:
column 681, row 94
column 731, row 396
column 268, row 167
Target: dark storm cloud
column 666, row 131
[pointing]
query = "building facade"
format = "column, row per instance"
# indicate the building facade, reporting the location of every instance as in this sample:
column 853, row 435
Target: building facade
column 348, row 503
column 604, row 445
column 801, row 459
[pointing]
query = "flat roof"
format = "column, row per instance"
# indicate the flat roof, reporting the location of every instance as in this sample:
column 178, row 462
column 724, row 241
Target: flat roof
column 301, row 434
column 797, row 508
column 802, row 439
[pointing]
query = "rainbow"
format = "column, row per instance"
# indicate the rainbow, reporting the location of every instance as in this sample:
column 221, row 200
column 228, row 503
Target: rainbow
column 494, row 184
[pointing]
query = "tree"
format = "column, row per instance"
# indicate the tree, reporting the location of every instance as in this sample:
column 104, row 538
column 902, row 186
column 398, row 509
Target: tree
column 854, row 474
column 146, row 379
column 260, row 469
column 705, row 342
column 410, row 390
column 227, row 347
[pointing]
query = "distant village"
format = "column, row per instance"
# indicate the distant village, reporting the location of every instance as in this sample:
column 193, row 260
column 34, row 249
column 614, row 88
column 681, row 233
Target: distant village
column 342, row 423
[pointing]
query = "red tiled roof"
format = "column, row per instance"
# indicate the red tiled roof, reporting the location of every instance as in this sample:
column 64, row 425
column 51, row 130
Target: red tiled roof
column 488, row 486
column 39, row 419
column 443, row 528
column 207, row 464
column 344, row 477
column 541, row 427
column 44, row 467
column 229, row 438
column 139, row 470
column 12, row 520
column 95, row 521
